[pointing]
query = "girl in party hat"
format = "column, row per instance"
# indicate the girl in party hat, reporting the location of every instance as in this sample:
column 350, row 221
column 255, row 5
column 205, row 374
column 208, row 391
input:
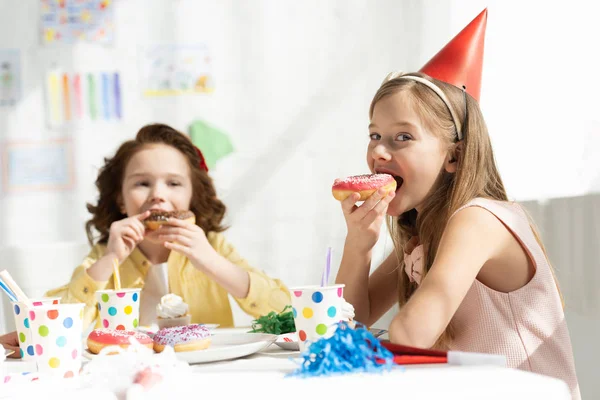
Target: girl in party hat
column 470, row 272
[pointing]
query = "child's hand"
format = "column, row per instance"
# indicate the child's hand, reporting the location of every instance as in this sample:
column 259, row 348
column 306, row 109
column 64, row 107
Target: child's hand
column 11, row 342
column 124, row 235
column 188, row 239
column 364, row 221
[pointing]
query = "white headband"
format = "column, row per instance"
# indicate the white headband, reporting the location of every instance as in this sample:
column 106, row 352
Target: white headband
column 437, row 90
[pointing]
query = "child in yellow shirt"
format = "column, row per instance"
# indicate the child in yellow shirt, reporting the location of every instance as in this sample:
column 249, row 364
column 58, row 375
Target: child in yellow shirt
column 162, row 170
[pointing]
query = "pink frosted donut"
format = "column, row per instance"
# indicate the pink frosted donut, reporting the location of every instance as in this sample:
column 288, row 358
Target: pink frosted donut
column 365, row 185
column 100, row 338
column 182, row 338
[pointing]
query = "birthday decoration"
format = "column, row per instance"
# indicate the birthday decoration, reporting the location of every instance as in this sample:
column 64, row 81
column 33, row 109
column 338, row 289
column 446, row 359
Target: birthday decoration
column 346, row 351
column 215, row 143
column 460, row 62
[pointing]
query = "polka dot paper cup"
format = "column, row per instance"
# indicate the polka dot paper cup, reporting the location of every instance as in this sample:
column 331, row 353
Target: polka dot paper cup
column 23, row 324
column 119, row 309
column 316, row 310
column 57, row 338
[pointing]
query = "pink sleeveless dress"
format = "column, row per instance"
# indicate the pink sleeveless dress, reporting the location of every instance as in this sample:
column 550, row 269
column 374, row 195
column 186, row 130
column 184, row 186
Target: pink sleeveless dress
column 527, row 325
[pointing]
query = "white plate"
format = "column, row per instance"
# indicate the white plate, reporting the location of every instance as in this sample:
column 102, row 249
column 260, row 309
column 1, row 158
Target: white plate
column 289, row 341
column 227, row 346
column 151, row 330
column 223, row 346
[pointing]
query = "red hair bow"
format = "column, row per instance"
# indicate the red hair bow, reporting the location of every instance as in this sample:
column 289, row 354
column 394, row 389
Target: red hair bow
column 202, row 164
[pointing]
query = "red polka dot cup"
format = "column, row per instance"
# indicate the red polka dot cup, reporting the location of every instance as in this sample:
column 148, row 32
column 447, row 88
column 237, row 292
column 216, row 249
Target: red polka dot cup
column 119, row 309
column 57, row 338
column 23, row 324
column 316, row 310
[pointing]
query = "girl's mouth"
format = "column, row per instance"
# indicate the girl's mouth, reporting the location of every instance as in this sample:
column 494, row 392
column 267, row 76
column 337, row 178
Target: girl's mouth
column 399, row 182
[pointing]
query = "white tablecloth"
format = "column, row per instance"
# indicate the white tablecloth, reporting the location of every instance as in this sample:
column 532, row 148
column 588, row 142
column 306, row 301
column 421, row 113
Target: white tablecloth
column 263, row 375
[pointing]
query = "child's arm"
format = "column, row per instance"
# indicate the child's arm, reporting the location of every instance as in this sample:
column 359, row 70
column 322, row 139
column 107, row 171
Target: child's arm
column 265, row 294
column 380, row 288
column 369, row 296
column 10, row 341
column 472, row 237
column 254, row 291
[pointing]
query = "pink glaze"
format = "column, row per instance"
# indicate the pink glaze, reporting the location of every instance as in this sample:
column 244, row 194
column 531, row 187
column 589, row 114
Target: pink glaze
column 181, row 334
column 109, row 336
column 362, row 182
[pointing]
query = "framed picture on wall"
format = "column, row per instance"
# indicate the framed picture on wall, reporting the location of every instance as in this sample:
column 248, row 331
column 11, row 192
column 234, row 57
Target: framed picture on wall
column 176, row 69
column 37, row 165
column 72, row 21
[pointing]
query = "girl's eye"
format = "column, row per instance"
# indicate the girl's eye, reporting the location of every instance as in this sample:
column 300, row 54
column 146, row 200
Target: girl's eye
column 403, row 137
column 174, row 183
column 142, row 183
column 374, row 136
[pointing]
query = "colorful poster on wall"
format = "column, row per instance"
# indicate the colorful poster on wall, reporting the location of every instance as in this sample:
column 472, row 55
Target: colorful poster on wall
column 37, row 165
column 73, row 97
column 171, row 70
column 71, row 21
column 10, row 77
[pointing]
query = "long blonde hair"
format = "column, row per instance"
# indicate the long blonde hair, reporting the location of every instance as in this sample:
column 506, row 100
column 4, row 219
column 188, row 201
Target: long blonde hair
column 479, row 177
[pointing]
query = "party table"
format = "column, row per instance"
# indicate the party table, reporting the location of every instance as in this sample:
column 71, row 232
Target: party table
column 265, row 375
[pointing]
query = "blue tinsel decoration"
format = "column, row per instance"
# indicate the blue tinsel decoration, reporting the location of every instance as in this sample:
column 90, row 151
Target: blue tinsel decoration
column 347, row 351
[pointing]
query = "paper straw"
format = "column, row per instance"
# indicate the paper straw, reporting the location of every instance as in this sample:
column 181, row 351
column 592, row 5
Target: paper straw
column 325, row 277
column 19, row 294
column 8, row 292
column 116, row 275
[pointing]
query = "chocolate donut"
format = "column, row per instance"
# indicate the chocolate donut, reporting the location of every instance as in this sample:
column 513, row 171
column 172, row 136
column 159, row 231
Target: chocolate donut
column 158, row 218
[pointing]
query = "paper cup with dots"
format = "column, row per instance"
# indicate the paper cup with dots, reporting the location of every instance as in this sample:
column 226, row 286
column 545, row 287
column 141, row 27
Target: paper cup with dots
column 119, row 309
column 316, row 310
column 57, row 338
column 23, row 324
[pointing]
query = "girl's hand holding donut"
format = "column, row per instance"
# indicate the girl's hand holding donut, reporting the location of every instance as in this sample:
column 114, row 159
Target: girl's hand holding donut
column 188, row 239
column 125, row 235
column 364, row 221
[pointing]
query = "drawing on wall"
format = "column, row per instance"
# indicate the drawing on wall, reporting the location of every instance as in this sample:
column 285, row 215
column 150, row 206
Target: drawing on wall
column 38, row 165
column 171, row 70
column 10, row 77
column 71, row 21
column 73, row 97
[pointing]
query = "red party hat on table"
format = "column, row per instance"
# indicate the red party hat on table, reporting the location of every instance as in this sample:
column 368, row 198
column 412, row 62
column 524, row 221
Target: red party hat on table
column 460, row 62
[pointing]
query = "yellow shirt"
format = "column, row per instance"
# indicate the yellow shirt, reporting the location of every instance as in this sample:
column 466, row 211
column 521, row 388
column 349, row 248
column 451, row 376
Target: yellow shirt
column 208, row 301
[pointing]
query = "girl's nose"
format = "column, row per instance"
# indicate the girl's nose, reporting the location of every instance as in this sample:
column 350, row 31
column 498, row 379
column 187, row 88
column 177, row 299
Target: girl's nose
column 158, row 193
column 380, row 152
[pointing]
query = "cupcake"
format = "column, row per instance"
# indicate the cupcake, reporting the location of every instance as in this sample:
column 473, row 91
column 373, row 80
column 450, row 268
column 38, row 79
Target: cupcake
column 172, row 311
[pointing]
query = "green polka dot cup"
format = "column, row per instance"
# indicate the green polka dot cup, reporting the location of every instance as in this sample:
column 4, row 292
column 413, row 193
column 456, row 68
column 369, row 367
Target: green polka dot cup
column 57, row 339
column 316, row 310
column 23, row 324
column 119, row 309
